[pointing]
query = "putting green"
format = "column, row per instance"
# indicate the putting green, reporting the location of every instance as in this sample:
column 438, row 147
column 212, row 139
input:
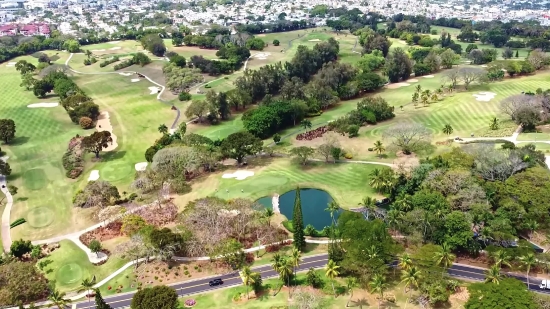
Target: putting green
column 35, row 179
column 40, row 216
column 117, row 170
column 69, row 274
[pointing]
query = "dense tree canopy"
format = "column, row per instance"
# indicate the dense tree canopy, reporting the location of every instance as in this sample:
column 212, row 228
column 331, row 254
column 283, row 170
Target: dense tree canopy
column 509, row 293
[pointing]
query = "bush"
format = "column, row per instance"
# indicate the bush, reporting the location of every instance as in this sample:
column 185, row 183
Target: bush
column 109, row 61
column 123, row 64
column 87, row 62
column 184, row 96
column 353, row 131
column 207, row 86
column 288, row 225
column 370, row 149
column 86, row 122
column 348, row 156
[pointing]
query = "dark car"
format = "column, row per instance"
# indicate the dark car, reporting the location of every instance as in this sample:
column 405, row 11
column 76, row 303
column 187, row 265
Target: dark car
column 215, row 282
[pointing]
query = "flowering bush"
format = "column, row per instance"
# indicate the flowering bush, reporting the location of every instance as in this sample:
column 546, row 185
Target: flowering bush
column 190, row 302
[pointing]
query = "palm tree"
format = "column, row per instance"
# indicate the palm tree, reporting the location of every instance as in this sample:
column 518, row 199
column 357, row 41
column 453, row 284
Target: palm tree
column 405, row 261
column 403, row 201
column 493, row 274
column 424, row 100
column 268, row 213
column 372, row 253
column 450, row 89
column 434, row 97
column 494, row 125
column 379, row 147
column 528, row 261
column 87, row 285
column 248, row 278
column 331, row 271
column 439, row 91
column 378, row 285
column 532, row 225
column 333, row 208
column 351, row 283
column 411, row 278
column 369, row 203
column 377, row 180
column 415, row 97
column 445, row 257
column 448, row 129
column 418, row 88
column 393, row 217
column 427, row 93
column 285, row 271
column 306, row 124
column 58, row 299
column 88, row 53
column 295, row 259
column 163, row 129
column 276, row 262
column 500, row 257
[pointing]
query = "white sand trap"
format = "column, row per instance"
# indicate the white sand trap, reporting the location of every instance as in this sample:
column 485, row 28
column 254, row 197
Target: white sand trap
column 96, row 50
column 126, row 74
column 114, row 42
column 12, row 63
column 397, row 85
column 484, row 96
column 172, row 131
column 37, row 105
column 412, row 80
column 140, row 167
column 314, row 40
column 239, row 175
column 428, row 76
column 154, row 90
column 115, row 48
column 104, row 124
column 94, row 175
column 484, row 66
column 134, row 80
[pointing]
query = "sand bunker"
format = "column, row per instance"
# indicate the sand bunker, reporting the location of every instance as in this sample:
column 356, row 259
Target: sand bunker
column 484, row 96
column 11, row 64
column 154, row 90
column 397, row 85
column 140, row 167
column 94, row 175
column 114, row 42
column 96, row 50
column 104, row 124
column 115, row 48
column 484, row 66
column 126, row 74
column 239, row 175
column 314, row 40
column 37, row 105
column 428, row 76
column 412, row 80
column 262, row 56
column 134, row 80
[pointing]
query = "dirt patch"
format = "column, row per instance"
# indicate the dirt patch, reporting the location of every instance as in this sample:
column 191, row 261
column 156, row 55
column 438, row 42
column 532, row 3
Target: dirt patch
column 260, row 35
column 104, row 124
column 406, row 161
column 397, row 85
column 103, row 233
column 159, row 216
column 412, row 80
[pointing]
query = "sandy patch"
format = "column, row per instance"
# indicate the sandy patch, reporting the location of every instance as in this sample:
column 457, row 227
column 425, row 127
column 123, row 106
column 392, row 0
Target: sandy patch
column 172, row 131
column 134, row 80
column 262, row 56
column 428, row 76
column 239, row 175
column 260, row 35
column 154, row 90
column 412, row 80
column 96, row 50
column 114, row 42
column 115, row 48
column 37, row 105
column 484, row 66
column 104, row 124
column 12, row 63
column 484, row 96
column 140, row 167
column 314, row 40
column 397, row 85
column 126, row 74
column 94, row 175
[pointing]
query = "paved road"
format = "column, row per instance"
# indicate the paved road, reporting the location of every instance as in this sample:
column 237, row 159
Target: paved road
column 319, row 261
column 201, row 285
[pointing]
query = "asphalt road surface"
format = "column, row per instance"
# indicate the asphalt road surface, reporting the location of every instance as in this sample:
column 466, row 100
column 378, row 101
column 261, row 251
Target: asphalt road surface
column 319, row 261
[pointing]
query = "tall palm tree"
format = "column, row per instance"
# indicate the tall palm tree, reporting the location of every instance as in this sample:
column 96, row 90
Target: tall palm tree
column 411, row 277
column 434, row 97
column 268, row 213
column 493, row 274
column 276, row 262
column 418, row 88
column 351, row 283
column 424, row 100
column 378, row 285
column 403, row 201
column 405, row 261
column 494, row 125
column 500, row 257
column 445, row 257
column 427, row 93
column 415, row 97
column 332, row 208
column 295, row 259
column 393, row 217
column 306, row 124
column 376, row 180
column 163, row 129
column 439, row 91
column 532, row 225
column 528, row 261
column 448, row 129
column 248, row 278
column 450, row 89
column 369, row 203
column 331, row 271
column 285, row 272
column 379, row 147
column 58, row 299
column 87, row 285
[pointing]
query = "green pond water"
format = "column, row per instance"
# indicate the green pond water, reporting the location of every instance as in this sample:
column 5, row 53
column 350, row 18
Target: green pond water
column 314, row 203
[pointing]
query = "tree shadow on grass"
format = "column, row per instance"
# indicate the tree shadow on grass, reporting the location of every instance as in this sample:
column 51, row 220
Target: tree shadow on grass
column 112, row 155
column 20, row 140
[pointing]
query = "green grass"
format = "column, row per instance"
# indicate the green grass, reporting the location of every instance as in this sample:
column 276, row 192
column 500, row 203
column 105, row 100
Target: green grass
column 70, row 265
column 545, row 147
column 534, row 137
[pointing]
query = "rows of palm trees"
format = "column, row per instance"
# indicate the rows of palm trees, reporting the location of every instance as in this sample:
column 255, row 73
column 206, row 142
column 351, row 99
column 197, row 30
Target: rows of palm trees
column 501, row 258
column 427, row 96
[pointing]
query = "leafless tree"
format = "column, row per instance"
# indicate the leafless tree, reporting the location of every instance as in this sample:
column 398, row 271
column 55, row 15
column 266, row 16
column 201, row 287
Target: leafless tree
column 537, row 58
column 469, row 75
column 110, row 212
column 512, row 105
column 134, row 249
column 458, row 186
column 407, row 136
column 451, row 76
column 495, row 164
column 330, row 141
column 303, row 299
column 96, row 194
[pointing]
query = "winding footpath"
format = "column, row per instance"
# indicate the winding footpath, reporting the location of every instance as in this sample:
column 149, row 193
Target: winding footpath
column 6, row 235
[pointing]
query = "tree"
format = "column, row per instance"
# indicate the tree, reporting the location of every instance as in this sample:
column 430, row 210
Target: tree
column 470, row 75
column 408, row 137
column 87, row 285
column 398, row 65
column 351, row 283
column 447, row 129
column 507, row 53
column 5, row 168
column 379, row 147
column 295, row 259
column 306, row 124
column 517, row 53
column 95, row 246
column 197, row 108
column 452, row 76
column 182, row 129
column 493, row 275
column 448, row 58
column 239, row 145
column 248, row 278
column 494, row 125
column 20, row 247
column 445, row 257
column 405, row 261
column 158, row 297
column 21, row 282
column 378, row 285
column 298, row 223
column 58, row 299
column 528, row 261
column 96, row 194
column 96, row 142
column 276, row 138
column 304, row 299
column 332, row 208
column 332, row 271
column 510, row 293
column 154, row 44
column 100, row 302
column 7, row 130
column 303, row 153
column 276, row 42
column 24, row 67
column 163, row 129
column 538, row 59
column 411, row 277
column 71, row 45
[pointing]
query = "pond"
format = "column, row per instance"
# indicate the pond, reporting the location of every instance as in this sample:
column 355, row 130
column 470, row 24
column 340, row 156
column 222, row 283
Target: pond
column 314, row 203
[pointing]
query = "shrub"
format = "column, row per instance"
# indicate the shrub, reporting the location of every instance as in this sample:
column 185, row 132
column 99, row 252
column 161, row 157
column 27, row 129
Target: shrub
column 184, row 96
column 353, row 130
column 109, row 61
column 123, row 64
column 87, row 62
column 348, row 156
column 207, row 86
column 86, row 122
column 370, row 149
column 288, row 225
